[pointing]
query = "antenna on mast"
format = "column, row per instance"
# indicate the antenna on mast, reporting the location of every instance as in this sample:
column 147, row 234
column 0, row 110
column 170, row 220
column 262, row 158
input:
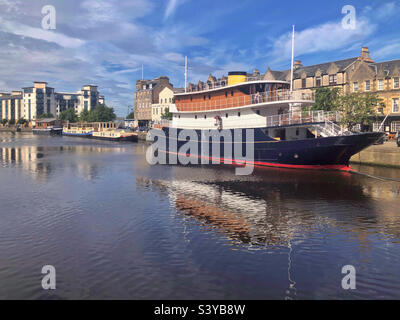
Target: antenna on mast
column 291, row 75
column 186, row 72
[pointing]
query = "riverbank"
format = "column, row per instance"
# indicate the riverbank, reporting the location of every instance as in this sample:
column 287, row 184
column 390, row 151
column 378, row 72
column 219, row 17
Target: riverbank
column 386, row 155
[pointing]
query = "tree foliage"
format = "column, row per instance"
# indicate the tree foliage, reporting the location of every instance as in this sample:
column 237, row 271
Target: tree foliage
column 45, row 116
column 101, row 113
column 3, row 121
column 326, row 99
column 131, row 115
column 22, row 121
column 357, row 108
column 166, row 114
column 68, row 115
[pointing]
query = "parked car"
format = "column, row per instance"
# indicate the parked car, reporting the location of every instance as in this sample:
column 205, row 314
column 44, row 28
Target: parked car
column 398, row 138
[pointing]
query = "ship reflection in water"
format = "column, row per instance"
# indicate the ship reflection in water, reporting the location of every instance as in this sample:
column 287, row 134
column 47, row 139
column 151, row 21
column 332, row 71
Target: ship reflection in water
column 116, row 227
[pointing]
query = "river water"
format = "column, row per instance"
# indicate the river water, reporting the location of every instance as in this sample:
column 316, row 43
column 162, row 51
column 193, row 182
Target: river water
column 115, row 227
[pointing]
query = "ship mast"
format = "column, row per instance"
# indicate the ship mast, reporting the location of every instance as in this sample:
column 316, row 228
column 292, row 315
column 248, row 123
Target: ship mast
column 186, row 73
column 291, row 70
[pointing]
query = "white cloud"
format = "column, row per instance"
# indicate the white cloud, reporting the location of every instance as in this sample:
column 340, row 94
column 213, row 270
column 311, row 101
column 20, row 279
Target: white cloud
column 41, row 34
column 171, row 7
column 325, row 37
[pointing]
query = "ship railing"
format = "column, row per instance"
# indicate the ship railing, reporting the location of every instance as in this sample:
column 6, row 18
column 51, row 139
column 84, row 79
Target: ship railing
column 245, row 100
column 302, row 117
column 162, row 123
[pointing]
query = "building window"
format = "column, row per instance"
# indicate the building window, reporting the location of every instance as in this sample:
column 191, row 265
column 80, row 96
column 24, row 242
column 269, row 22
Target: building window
column 367, row 85
column 395, row 83
column 355, row 86
column 195, row 117
column 238, row 114
column 395, row 105
column 332, row 79
column 205, row 116
column 304, row 83
column 318, row 82
column 380, row 84
column 226, row 115
column 232, row 93
column 395, row 126
column 258, row 112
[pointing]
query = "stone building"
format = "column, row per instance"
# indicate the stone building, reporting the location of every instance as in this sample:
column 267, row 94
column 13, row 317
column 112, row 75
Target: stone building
column 147, row 93
column 358, row 74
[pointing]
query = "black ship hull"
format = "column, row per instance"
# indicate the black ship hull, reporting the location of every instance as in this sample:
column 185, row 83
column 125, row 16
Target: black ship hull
column 313, row 153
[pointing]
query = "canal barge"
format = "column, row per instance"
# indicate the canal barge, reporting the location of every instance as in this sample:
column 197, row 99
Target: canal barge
column 83, row 130
column 109, row 131
column 284, row 135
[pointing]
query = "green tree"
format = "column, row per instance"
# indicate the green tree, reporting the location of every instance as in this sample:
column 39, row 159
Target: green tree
column 22, row 121
column 84, row 116
column 100, row 113
column 3, row 121
column 166, row 114
column 68, row 115
column 326, row 99
column 131, row 115
column 45, row 116
column 356, row 108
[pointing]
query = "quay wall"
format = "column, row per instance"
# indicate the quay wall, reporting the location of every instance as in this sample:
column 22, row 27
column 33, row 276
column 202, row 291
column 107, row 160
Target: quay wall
column 386, row 155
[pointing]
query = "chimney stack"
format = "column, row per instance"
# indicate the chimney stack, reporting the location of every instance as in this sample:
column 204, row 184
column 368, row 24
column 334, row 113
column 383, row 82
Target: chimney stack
column 365, row 55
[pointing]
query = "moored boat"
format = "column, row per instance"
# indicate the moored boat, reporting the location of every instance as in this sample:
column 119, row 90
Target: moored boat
column 269, row 116
column 83, row 130
column 48, row 127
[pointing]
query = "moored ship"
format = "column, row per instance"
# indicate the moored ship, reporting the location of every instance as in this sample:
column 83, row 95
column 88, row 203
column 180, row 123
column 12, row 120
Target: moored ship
column 283, row 134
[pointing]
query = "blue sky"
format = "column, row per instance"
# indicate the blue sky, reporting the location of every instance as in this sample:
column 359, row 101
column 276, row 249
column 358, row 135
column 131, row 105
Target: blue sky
column 105, row 42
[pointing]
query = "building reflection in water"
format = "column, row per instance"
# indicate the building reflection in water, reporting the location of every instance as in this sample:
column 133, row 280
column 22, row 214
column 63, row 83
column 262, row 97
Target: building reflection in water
column 42, row 162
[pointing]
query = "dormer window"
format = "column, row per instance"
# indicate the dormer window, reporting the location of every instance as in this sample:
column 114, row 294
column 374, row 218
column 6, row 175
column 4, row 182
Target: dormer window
column 304, row 83
column 355, row 86
column 318, row 82
column 332, row 79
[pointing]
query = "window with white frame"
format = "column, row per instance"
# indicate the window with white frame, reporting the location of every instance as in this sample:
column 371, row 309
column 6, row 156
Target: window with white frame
column 367, row 85
column 376, row 126
column 380, row 84
column 355, row 86
column 395, row 83
column 395, row 126
column 395, row 105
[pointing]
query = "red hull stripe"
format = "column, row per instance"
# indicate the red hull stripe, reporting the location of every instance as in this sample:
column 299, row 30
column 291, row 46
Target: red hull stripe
column 340, row 167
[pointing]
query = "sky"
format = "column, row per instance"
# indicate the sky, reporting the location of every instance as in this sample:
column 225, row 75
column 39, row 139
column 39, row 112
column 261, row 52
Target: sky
column 106, row 42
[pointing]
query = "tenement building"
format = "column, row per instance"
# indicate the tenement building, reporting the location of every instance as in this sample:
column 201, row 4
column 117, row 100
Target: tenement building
column 147, row 93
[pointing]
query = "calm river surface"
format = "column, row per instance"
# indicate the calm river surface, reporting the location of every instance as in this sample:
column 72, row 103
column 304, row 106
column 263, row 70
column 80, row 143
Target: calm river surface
column 116, row 228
